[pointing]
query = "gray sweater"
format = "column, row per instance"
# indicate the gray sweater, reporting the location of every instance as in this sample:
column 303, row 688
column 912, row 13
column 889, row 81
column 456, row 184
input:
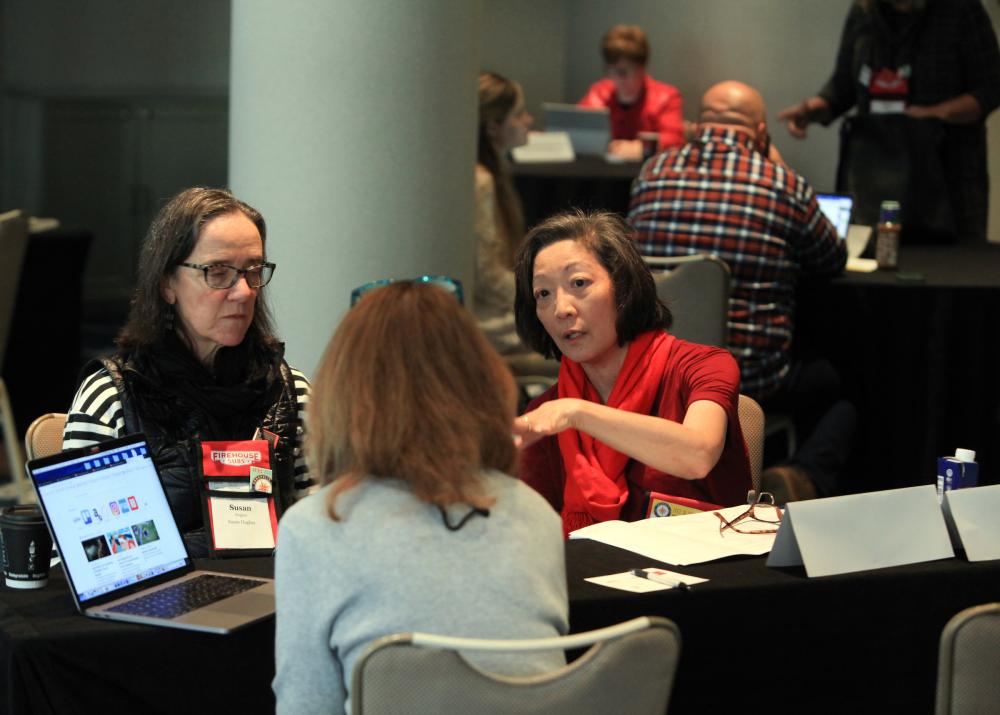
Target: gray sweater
column 390, row 566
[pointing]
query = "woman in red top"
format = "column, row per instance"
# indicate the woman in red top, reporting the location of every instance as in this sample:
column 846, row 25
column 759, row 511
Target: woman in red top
column 637, row 102
column 635, row 410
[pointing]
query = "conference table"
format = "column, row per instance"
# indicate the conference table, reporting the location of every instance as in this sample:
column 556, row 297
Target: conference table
column 755, row 639
column 589, row 182
column 917, row 350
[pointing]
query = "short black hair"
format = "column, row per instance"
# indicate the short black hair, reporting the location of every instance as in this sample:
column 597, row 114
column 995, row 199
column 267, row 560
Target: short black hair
column 610, row 239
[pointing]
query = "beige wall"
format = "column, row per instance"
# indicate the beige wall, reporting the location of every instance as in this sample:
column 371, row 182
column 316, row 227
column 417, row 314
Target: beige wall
column 526, row 40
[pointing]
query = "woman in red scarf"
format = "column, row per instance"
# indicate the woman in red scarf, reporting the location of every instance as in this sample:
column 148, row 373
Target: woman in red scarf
column 636, row 411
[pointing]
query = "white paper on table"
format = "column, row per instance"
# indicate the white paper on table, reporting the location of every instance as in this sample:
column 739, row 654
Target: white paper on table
column 241, row 523
column 859, row 532
column 544, row 148
column 625, row 581
column 861, row 265
column 681, row 540
column 971, row 515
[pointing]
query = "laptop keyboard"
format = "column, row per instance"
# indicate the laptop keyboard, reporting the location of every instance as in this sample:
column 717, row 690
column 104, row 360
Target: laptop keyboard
column 186, row 596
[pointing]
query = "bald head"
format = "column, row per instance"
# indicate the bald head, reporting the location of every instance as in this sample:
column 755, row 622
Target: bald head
column 735, row 104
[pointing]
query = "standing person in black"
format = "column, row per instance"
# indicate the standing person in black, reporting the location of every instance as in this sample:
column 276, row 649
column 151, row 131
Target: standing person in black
column 198, row 358
column 923, row 75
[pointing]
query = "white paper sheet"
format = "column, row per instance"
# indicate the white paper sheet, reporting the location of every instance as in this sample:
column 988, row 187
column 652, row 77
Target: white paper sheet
column 681, row 540
column 861, row 265
column 544, row 148
column 625, row 581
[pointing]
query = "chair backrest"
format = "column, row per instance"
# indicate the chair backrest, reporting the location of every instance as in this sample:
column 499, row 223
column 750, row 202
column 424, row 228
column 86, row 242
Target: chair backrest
column 697, row 290
column 13, row 244
column 45, row 435
column 969, row 662
column 630, row 669
column 752, row 424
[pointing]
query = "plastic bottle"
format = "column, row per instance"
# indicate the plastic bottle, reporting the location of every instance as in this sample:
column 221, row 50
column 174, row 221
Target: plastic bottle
column 887, row 236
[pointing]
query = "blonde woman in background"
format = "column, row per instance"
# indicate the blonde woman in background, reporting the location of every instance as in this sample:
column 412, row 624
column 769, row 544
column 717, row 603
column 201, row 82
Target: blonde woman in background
column 499, row 221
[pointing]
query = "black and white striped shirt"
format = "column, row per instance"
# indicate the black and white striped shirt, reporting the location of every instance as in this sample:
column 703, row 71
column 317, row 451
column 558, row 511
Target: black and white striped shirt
column 96, row 415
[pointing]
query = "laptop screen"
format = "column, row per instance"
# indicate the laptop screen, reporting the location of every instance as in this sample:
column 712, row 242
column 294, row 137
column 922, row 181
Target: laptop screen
column 837, row 209
column 589, row 128
column 109, row 516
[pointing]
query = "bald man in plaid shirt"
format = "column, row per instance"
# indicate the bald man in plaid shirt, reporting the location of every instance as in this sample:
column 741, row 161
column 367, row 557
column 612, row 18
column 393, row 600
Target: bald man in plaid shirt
column 729, row 193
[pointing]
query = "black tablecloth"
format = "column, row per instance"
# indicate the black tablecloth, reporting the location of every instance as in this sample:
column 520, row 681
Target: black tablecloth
column 55, row 661
column 589, row 183
column 766, row 640
column 918, row 351
column 806, row 645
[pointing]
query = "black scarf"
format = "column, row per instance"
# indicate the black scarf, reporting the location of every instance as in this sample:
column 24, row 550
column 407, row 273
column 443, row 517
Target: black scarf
column 179, row 394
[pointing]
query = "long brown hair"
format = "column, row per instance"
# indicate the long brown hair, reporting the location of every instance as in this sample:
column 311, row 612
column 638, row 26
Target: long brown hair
column 170, row 240
column 497, row 98
column 409, row 388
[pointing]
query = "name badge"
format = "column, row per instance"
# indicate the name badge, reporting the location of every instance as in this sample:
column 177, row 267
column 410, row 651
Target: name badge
column 247, row 523
column 888, row 90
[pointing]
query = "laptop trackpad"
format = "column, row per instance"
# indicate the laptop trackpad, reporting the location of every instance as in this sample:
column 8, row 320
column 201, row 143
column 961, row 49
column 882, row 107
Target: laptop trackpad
column 249, row 603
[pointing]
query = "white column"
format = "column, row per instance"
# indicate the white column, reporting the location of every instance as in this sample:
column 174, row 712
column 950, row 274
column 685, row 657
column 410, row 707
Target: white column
column 353, row 130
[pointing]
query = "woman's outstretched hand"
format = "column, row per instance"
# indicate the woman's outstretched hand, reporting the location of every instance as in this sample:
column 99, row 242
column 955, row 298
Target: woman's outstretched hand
column 549, row 418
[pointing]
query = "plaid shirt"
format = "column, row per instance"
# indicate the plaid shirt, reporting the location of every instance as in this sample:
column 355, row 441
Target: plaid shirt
column 719, row 195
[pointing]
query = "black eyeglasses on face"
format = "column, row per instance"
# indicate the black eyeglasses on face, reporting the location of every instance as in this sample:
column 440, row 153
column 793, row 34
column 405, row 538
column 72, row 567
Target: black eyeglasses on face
column 223, row 276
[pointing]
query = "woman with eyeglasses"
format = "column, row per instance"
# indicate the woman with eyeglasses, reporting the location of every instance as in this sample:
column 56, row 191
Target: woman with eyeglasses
column 198, row 358
column 418, row 527
column 636, row 412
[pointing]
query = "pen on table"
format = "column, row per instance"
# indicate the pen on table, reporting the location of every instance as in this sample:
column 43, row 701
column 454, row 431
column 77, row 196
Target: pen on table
column 661, row 578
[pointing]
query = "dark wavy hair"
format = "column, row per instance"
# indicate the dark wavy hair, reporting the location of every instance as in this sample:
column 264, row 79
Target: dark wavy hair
column 610, row 240
column 170, row 240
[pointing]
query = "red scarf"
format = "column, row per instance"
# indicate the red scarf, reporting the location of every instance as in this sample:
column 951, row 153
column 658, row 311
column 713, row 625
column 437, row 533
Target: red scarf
column 596, row 488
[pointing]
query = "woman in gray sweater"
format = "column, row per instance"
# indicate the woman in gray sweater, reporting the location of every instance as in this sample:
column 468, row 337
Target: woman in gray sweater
column 418, row 528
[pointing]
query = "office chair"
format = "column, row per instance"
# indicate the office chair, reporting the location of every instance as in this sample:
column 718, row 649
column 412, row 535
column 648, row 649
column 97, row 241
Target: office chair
column 697, row 290
column 628, row 668
column 969, row 662
column 45, row 435
column 752, row 424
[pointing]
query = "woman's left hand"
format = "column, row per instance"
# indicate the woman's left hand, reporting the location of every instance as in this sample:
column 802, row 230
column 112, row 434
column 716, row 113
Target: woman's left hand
column 550, row 418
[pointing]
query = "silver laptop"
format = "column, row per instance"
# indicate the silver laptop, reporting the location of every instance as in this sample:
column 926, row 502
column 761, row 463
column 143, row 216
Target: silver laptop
column 589, row 129
column 123, row 555
column 837, row 208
